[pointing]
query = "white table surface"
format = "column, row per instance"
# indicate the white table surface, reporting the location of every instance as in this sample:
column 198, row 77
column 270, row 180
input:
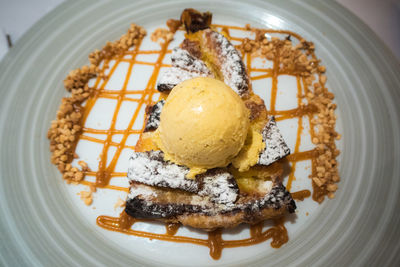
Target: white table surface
column 383, row 16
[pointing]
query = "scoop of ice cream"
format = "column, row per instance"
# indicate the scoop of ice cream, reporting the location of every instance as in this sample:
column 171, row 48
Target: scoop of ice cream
column 203, row 124
column 249, row 154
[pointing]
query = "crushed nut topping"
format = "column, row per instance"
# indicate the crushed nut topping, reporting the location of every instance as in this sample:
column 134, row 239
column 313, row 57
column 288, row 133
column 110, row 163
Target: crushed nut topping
column 131, row 38
column 161, row 35
column 86, row 197
column 66, row 128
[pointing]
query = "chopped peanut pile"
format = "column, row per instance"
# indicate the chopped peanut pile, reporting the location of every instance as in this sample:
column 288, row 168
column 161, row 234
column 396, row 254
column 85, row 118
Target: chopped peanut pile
column 327, row 174
column 291, row 58
column 161, row 35
column 134, row 35
column 66, row 128
column 86, row 197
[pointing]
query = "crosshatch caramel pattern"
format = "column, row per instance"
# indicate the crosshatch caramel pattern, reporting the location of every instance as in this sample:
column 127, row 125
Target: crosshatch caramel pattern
column 313, row 101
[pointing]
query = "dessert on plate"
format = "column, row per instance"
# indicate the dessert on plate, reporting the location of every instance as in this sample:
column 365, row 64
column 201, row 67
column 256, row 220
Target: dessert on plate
column 204, row 140
column 209, row 153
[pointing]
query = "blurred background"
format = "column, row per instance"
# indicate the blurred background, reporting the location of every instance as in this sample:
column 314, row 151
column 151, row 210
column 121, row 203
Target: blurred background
column 382, row 16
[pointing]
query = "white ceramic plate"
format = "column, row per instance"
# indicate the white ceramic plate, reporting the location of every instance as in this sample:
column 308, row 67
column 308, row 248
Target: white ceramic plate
column 43, row 222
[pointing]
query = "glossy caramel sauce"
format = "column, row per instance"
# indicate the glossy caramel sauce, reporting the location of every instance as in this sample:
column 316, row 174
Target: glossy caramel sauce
column 124, row 222
column 278, row 233
column 172, row 228
column 301, row 195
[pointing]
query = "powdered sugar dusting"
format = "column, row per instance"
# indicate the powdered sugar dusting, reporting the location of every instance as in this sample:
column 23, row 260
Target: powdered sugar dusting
column 146, row 203
column 220, row 186
column 232, row 66
column 182, row 59
column 173, row 76
column 275, row 146
column 151, row 169
column 184, row 67
column 144, row 192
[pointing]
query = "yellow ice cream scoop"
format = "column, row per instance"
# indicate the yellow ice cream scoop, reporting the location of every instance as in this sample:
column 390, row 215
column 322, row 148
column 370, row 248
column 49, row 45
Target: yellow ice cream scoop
column 203, row 124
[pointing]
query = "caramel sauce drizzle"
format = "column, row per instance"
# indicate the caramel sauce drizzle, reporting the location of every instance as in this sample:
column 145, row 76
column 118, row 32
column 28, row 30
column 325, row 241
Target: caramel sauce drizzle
column 124, row 223
column 172, row 228
column 301, row 195
column 106, row 171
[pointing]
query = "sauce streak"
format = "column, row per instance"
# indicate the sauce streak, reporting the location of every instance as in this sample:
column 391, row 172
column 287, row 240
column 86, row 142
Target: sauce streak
column 172, row 228
column 215, row 243
column 301, row 195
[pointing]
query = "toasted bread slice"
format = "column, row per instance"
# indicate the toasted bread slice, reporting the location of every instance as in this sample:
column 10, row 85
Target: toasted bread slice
column 215, row 49
column 218, row 58
column 223, row 58
column 178, row 206
column 153, row 114
column 150, row 168
column 184, row 67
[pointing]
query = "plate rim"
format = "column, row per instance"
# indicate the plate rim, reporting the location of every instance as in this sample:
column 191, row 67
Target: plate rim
column 30, row 34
